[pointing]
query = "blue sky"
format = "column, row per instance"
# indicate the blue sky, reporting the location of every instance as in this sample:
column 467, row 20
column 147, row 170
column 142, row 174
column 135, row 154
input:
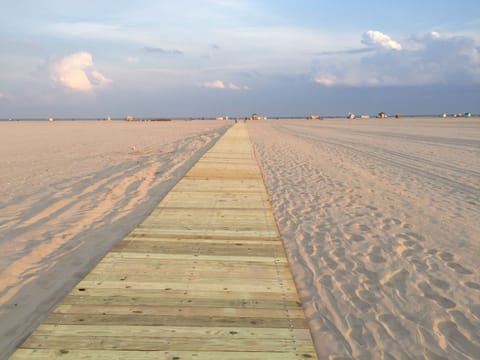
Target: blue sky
column 232, row 57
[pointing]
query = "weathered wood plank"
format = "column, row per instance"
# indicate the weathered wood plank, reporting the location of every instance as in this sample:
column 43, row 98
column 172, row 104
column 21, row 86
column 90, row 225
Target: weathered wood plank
column 198, row 257
column 185, row 311
column 172, row 331
column 174, row 320
column 68, row 354
column 146, row 300
column 166, row 344
column 188, row 294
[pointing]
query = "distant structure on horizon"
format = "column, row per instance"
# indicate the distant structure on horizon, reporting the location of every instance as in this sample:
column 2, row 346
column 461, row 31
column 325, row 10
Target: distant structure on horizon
column 382, row 115
column 351, row 116
column 314, row 117
column 258, row 117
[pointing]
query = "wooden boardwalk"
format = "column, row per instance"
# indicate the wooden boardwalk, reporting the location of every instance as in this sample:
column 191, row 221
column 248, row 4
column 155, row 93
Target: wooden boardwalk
column 203, row 277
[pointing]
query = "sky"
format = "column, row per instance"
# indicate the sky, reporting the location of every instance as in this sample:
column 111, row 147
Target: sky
column 193, row 58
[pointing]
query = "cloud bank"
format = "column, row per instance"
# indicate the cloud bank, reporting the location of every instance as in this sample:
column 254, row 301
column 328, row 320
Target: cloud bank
column 426, row 59
column 76, row 72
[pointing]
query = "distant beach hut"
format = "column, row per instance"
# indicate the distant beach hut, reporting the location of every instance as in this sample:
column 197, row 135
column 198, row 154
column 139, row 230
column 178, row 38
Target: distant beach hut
column 382, row 115
column 444, row 115
column 51, row 119
column 314, row 117
column 397, row 116
column 365, row 116
column 130, row 118
column 467, row 114
column 258, row 117
column 219, row 118
column 351, row 116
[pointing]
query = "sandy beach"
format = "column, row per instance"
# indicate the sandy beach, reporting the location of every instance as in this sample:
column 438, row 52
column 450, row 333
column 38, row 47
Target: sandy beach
column 379, row 219
column 380, row 222
column 69, row 191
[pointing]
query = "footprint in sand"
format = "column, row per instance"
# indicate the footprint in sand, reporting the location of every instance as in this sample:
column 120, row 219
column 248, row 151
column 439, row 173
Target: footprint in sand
column 374, row 254
column 459, row 268
column 439, row 283
column 462, row 321
column 409, row 247
column 364, row 228
column 359, row 332
column 376, row 258
column 472, row 285
column 429, row 293
column 394, row 326
column 450, row 336
column 397, row 280
column 332, row 264
column 391, row 221
column 420, row 265
column 350, row 292
column 415, row 236
column 475, row 310
column 446, row 256
column 326, row 280
column 339, row 253
column 357, row 238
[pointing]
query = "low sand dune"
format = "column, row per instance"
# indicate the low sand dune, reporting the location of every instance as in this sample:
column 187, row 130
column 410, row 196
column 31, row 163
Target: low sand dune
column 380, row 220
column 70, row 191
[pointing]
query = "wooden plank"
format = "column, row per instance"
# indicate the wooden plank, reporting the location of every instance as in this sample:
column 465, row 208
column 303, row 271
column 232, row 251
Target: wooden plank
column 68, row 354
column 146, row 300
column 166, row 344
column 188, row 284
column 172, row 331
column 185, row 311
column 173, row 320
column 187, row 294
column 205, row 276
column 245, row 260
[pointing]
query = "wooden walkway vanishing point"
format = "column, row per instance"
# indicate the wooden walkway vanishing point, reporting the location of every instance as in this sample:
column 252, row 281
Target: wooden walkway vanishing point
column 204, row 277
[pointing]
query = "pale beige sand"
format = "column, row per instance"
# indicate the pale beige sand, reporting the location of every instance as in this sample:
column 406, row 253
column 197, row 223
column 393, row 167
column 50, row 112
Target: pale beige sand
column 69, row 191
column 380, row 219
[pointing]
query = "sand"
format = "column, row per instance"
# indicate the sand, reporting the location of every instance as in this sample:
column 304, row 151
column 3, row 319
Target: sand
column 71, row 190
column 380, row 220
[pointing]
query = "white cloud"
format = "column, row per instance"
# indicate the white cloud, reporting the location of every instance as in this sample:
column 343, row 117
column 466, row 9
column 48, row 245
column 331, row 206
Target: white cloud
column 77, row 72
column 98, row 78
column 326, row 79
column 219, row 84
column 216, row 84
column 378, row 39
